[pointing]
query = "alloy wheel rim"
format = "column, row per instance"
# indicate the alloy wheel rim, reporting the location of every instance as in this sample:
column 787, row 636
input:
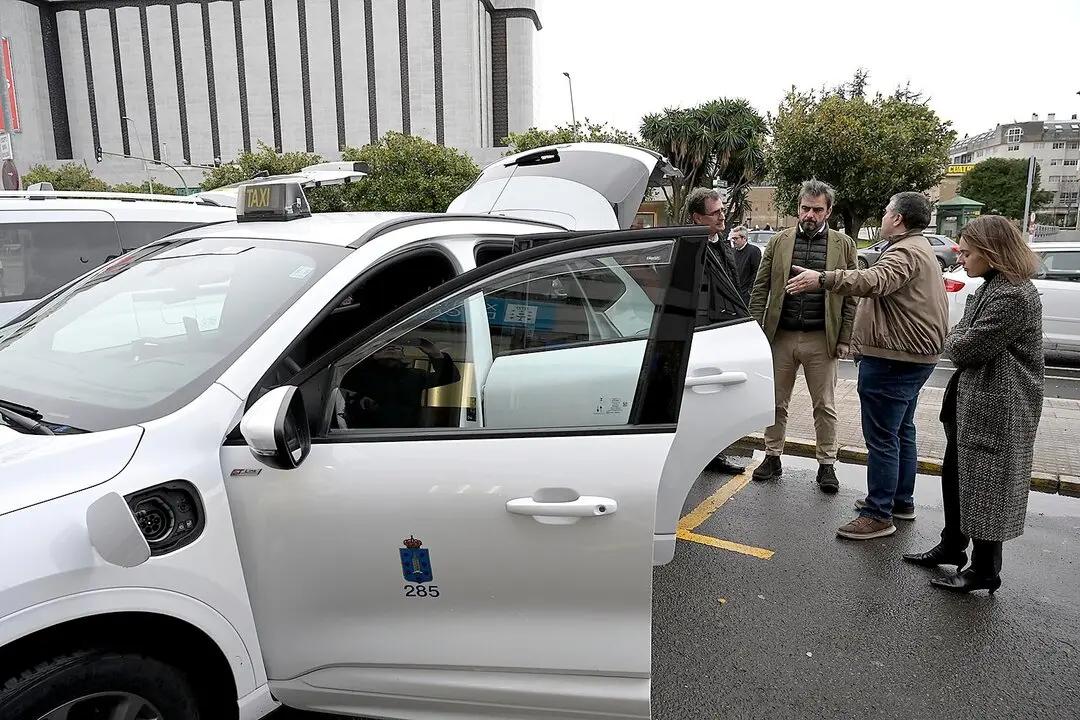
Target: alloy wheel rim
column 105, row 706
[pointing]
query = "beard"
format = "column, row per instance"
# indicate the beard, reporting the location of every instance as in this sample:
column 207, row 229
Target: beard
column 808, row 226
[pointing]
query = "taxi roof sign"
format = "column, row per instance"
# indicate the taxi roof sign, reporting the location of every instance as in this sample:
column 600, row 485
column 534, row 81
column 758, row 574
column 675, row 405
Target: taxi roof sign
column 259, row 202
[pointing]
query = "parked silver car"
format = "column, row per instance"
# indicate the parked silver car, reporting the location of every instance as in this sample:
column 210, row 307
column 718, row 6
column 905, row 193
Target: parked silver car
column 944, row 247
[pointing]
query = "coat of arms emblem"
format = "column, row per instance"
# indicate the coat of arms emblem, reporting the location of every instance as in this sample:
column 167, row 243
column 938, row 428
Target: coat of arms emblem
column 415, row 562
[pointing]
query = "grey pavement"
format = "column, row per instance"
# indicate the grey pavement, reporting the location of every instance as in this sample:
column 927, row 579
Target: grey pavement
column 1057, row 449
column 828, row 628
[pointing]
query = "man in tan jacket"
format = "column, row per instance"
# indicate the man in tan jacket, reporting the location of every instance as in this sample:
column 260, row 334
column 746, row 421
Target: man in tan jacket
column 810, row 330
column 900, row 329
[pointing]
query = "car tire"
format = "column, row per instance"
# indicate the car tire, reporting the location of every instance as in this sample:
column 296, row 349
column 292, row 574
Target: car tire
column 942, row 264
column 863, row 264
column 94, row 679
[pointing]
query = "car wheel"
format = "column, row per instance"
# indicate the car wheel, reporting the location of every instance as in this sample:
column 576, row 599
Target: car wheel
column 942, row 264
column 862, row 264
column 99, row 684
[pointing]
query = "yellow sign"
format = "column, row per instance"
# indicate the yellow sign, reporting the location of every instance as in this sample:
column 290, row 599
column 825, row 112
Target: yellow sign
column 257, row 197
column 960, row 169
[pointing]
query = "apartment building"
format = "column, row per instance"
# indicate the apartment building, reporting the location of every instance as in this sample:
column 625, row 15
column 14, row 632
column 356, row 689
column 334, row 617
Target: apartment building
column 1055, row 144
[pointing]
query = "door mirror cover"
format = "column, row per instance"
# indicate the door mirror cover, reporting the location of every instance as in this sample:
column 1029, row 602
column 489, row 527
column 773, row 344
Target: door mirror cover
column 276, row 429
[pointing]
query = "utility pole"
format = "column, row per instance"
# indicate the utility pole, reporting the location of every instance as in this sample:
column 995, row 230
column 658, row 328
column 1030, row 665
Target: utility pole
column 142, row 151
column 1027, row 200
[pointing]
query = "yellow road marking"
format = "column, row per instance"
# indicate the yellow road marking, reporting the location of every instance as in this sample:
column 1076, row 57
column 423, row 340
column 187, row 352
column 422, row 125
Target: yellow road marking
column 725, row 544
column 711, row 504
column 693, row 519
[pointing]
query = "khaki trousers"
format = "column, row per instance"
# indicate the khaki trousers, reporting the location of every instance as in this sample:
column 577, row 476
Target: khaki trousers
column 810, row 350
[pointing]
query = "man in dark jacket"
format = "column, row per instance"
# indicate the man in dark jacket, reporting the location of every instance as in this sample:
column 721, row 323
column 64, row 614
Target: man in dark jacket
column 747, row 261
column 705, row 207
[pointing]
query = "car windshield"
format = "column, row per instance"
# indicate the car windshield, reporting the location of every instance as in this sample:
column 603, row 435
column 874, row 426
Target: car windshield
column 148, row 333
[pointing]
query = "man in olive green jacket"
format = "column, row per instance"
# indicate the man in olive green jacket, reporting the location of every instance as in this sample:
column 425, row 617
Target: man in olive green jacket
column 811, row 330
column 899, row 334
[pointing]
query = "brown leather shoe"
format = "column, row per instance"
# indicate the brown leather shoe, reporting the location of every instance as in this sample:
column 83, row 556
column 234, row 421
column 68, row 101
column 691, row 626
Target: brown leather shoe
column 866, row 528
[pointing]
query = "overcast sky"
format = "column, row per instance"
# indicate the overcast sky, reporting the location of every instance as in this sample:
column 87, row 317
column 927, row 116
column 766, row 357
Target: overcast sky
column 980, row 62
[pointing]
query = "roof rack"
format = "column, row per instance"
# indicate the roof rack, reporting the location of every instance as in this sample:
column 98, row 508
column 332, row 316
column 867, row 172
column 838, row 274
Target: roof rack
column 89, row 195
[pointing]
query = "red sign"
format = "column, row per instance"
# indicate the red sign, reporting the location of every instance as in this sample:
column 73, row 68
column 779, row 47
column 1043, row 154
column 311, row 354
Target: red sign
column 9, row 84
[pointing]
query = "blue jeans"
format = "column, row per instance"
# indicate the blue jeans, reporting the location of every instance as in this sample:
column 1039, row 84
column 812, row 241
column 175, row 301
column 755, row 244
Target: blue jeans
column 888, row 394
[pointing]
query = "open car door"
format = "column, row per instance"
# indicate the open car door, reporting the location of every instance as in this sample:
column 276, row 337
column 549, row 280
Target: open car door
column 578, row 186
column 485, row 549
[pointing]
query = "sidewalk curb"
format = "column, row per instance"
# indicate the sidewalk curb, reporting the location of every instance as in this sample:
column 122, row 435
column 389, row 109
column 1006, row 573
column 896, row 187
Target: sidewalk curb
column 1067, row 485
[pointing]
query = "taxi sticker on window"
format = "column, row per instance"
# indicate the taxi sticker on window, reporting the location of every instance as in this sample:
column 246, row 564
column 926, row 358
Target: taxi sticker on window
column 416, row 568
column 301, row 272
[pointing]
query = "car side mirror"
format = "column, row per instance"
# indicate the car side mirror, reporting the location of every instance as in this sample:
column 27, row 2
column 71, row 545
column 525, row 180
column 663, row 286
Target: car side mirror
column 276, row 428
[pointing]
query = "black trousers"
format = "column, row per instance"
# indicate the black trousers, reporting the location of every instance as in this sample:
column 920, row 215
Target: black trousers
column 952, row 537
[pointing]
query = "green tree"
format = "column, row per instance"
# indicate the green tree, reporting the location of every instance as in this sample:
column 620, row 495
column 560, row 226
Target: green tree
column 159, row 189
column 719, row 141
column 581, row 132
column 264, row 159
column 408, row 174
column 1002, row 185
column 69, row 176
column 868, row 149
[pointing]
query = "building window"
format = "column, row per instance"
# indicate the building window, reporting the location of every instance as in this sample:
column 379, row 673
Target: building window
column 1040, row 146
column 1013, row 147
column 1054, row 179
column 1059, row 146
column 1055, row 161
column 1013, row 135
column 1070, row 163
column 1067, row 198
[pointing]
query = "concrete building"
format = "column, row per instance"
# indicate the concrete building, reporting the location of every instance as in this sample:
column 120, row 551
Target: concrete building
column 193, row 82
column 1054, row 142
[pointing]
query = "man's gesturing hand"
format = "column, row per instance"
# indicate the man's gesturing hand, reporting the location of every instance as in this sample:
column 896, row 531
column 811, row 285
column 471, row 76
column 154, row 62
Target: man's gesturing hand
column 804, row 281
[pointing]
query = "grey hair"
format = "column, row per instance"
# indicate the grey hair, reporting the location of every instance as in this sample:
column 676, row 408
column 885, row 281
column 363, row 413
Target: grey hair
column 740, row 230
column 817, row 188
column 914, row 207
column 695, row 201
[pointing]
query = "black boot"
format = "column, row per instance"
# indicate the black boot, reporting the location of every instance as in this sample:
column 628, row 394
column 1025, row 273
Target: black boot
column 984, row 573
column 826, row 479
column 722, row 463
column 769, row 469
column 938, row 555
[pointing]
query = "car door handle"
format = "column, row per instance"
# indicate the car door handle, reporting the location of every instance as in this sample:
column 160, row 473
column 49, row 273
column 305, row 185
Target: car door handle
column 584, row 506
column 731, row 377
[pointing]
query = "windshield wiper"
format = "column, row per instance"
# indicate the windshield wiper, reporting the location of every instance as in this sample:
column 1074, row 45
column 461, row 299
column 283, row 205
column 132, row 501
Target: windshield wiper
column 24, row 418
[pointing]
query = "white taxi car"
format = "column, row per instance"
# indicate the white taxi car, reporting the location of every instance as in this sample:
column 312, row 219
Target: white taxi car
column 1058, row 282
column 399, row 466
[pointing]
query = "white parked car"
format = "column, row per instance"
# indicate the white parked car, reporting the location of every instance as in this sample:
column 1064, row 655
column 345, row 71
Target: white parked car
column 390, row 465
column 1058, row 281
column 49, row 238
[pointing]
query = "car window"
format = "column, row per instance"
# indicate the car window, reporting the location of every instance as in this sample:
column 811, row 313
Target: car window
column 935, row 240
column 1061, row 265
column 39, row 257
column 149, row 333
column 136, row 234
column 425, row 375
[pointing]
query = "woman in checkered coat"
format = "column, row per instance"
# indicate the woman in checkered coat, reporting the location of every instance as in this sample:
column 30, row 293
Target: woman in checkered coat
column 991, row 408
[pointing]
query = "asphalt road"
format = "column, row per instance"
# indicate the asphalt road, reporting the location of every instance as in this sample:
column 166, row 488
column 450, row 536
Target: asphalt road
column 1062, row 377
column 826, row 628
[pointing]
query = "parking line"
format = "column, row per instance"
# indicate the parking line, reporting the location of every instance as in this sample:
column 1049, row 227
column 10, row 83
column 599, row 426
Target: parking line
column 693, row 519
column 725, row 544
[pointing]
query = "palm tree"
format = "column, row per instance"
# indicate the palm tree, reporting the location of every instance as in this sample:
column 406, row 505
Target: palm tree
column 722, row 140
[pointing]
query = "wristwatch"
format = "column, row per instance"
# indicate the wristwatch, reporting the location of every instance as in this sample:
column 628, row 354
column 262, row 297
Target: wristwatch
column 821, row 279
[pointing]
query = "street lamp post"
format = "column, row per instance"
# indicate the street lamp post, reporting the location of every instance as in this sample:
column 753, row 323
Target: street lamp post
column 573, row 115
column 142, row 152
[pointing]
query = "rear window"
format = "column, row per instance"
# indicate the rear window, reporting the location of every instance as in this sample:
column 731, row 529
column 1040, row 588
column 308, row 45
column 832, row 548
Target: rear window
column 136, row 234
column 38, row 257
